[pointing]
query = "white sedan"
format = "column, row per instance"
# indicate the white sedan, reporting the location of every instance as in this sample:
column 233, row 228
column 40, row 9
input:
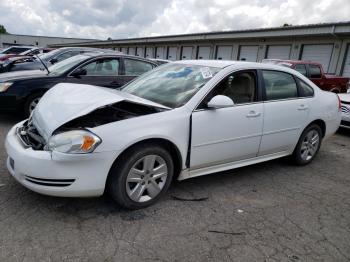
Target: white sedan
column 345, row 109
column 181, row 120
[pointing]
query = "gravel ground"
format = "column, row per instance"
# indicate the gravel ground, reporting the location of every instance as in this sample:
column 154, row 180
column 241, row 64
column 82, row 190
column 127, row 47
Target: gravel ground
column 268, row 212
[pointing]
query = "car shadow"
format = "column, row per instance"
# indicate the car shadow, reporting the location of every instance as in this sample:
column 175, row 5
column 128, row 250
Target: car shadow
column 344, row 131
column 197, row 189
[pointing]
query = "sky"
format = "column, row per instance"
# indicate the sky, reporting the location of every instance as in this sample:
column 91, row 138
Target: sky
column 101, row 19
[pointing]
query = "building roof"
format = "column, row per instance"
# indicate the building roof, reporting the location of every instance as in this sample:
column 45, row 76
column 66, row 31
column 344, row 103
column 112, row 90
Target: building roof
column 73, row 38
column 339, row 28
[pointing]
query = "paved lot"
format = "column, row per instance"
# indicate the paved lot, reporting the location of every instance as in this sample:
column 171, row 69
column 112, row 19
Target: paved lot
column 268, row 212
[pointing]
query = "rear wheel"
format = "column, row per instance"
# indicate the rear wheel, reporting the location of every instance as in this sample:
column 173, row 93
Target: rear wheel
column 141, row 176
column 31, row 103
column 308, row 145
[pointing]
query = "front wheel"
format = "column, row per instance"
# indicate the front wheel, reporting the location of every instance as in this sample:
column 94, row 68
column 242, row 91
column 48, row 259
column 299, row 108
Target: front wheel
column 141, row 176
column 31, row 103
column 308, row 145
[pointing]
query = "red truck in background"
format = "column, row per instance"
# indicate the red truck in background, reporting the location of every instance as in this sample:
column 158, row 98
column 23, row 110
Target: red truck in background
column 315, row 73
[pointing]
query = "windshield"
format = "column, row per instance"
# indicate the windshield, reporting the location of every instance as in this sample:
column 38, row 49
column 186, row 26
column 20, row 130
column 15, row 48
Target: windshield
column 171, row 85
column 66, row 64
column 49, row 55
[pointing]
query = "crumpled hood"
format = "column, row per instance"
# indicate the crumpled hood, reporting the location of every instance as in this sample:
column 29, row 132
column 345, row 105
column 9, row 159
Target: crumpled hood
column 65, row 102
column 344, row 97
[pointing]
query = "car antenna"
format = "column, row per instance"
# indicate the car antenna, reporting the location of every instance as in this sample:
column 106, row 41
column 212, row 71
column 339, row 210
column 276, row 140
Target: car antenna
column 43, row 63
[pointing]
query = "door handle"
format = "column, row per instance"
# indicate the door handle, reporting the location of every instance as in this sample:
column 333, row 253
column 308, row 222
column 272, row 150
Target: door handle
column 253, row 114
column 303, row 107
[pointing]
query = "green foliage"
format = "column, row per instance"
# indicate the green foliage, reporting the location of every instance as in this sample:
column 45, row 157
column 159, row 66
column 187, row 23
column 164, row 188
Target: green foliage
column 3, row 30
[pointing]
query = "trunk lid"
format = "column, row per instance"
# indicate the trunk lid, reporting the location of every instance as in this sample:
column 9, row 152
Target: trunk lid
column 66, row 102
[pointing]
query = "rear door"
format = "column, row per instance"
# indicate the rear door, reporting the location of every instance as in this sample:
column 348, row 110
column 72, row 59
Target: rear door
column 285, row 114
column 101, row 72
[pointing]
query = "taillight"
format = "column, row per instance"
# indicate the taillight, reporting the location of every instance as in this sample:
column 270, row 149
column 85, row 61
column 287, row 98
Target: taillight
column 339, row 104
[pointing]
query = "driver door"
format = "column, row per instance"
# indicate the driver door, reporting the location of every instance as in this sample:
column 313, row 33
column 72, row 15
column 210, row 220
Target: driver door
column 225, row 135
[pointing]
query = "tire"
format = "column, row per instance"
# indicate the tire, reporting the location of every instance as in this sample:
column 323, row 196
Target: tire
column 125, row 186
column 30, row 103
column 308, row 145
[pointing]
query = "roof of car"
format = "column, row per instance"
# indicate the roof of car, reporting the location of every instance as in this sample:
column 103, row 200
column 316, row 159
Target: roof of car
column 222, row 63
column 115, row 53
column 292, row 61
column 236, row 64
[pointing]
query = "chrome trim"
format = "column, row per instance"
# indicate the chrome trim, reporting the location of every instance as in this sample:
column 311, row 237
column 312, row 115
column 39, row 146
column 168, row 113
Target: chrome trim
column 227, row 140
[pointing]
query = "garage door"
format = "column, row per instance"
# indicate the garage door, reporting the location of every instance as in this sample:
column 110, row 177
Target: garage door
column 278, row 52
column 186, row 53
column 149, row 52
column 172, row 53
column 124, row 50
column 160, row 52
column 248, row 53
column 131, row 51
column 318, row 53
column 224, row 52
column 139, row 51
column 203, row 52
column 346, row 69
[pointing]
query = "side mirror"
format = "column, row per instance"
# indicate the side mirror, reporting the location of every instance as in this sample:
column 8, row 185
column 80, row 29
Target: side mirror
column 220, row 101
column 53, row 61
column 79, row 72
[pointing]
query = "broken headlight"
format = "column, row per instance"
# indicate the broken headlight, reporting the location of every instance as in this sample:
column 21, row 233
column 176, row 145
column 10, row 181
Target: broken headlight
column 74, row 142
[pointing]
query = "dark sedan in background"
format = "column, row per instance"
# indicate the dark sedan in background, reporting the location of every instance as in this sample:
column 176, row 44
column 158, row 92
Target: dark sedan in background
column 48, row 59
column 21, row 91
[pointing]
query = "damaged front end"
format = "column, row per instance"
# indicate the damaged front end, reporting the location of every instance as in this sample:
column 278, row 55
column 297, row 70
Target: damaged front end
column 111, row 113
column 30, row 135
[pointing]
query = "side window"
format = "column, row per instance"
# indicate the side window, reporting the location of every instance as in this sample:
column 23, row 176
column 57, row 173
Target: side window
column 240, row 87
column 102, row 67
column 279, row 85
column 305, row 89
column 136, row 67
column 315, row 71
column 66, row 55
column 301, row 69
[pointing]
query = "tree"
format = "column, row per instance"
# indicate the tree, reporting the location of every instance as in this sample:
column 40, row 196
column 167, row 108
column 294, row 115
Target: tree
column 3, row 30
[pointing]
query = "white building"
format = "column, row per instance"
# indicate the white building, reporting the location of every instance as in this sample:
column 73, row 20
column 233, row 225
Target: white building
column 325, row 43
column 7, row 40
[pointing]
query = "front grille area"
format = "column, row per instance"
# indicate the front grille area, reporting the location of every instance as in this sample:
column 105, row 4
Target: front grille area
column 49, row 182
column 30, row 136
column 345, row 110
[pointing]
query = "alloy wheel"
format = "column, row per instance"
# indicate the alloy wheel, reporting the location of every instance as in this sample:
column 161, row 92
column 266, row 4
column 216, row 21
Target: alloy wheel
column 33, row 104
column 146, row 178
column 310, row 145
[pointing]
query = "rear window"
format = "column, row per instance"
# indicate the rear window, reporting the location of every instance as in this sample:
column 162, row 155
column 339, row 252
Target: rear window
column 305, row 89
column 279, row 85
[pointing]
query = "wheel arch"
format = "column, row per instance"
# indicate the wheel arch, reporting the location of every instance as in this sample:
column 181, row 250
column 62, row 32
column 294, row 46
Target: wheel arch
column 165, row 143
column 321, row 123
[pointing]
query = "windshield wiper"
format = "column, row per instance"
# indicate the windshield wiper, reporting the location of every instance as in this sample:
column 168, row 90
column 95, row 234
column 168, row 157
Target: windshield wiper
column 48, row 72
